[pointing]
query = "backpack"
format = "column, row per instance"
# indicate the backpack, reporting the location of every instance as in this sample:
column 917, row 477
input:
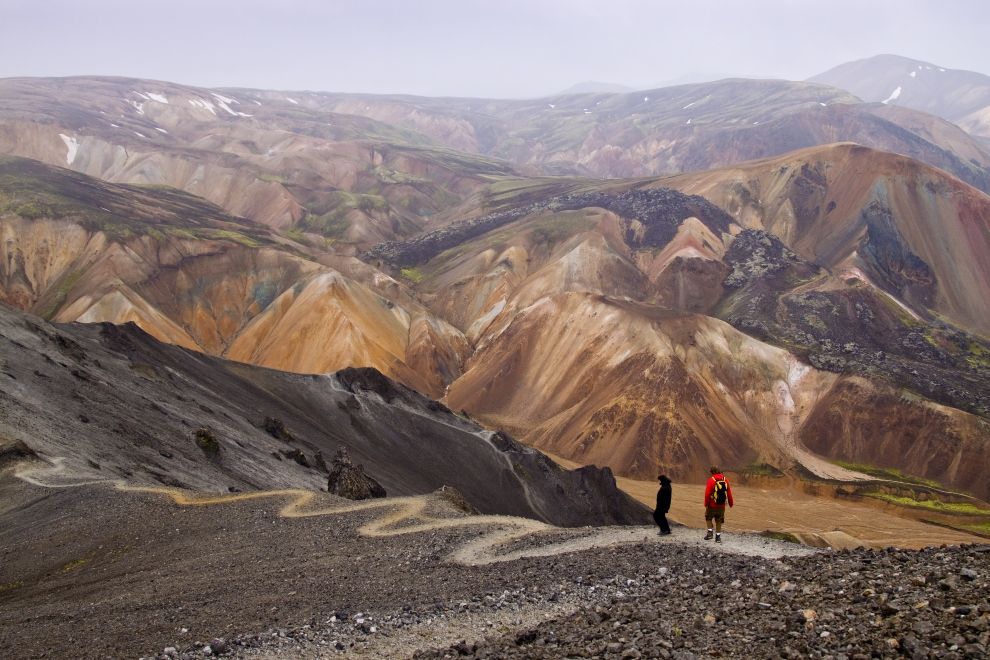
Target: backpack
column 719, row 492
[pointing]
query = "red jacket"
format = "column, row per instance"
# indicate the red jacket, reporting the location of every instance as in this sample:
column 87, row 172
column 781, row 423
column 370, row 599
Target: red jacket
column 710, row 488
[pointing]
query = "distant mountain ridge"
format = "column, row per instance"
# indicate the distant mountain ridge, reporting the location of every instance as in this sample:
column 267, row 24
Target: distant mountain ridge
column 623, row 322
column 960, row 96
column 595, row 87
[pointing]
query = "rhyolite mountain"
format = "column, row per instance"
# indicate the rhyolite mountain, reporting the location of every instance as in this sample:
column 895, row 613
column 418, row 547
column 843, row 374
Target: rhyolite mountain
column 339, row 177
column 671, row 129
column 816, row 305
column 109, row 402
column 657, row 329
column 76, row 248
column 962, row 97
column 621, row 323
column 359, row 169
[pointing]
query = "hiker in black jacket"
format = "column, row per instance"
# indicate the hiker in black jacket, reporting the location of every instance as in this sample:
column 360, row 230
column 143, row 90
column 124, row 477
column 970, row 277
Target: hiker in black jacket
column 663, row 505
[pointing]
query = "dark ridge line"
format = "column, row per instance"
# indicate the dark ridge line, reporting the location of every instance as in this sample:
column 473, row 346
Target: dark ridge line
column 660, row 209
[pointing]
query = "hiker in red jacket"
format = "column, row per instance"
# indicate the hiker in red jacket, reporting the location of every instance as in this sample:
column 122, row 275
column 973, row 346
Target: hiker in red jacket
column 717, row 495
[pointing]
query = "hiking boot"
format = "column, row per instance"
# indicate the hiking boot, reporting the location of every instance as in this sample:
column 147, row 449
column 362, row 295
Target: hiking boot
column 664, row 533
column 708, row 536
column 718, row 538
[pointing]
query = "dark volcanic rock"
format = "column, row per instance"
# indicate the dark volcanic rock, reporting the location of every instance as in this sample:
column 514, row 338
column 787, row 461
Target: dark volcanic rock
column 902, row 272
column 350, row 481
column 856, row 329
column 276, row 429
column 139, row 425
column 660, row 210
column 857, row 604
column 756, row 254
column 15, row 452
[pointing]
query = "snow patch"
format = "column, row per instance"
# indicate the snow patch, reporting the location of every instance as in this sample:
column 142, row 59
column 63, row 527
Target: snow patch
column 137, row 106
column 486, row 319
column 646, row 98
column 822, row 104
column 72, row 145
column 688, row 105
column 142, row 95
column 552, row 106
column 913, row 74
column 893, row 95
column 796, row 373
column 756, row 123
column 161, row 98
column 114, row 125
column 690, row 252
column 224, row 99
column 784, row 399
column 292, row 101
column 161, row 130
column 687, row 122
column 141, row 135
column 942, row 70
column 226, row 108
column 257, row 102
column 201, row 103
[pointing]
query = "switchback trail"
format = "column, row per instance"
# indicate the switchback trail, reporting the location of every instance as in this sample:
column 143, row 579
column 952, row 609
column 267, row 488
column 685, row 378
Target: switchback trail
column 408, row 515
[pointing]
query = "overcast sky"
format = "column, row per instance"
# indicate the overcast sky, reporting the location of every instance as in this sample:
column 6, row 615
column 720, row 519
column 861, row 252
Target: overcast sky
column 500, row 48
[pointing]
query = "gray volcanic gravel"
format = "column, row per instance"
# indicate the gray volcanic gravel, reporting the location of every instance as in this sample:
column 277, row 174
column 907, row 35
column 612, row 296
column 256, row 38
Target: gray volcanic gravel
column 136, row 575
column 931, row 603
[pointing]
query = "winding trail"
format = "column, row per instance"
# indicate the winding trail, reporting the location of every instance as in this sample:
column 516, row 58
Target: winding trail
column 408, row 515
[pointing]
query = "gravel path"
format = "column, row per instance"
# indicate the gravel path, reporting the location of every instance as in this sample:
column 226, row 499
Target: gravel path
column 165, row 573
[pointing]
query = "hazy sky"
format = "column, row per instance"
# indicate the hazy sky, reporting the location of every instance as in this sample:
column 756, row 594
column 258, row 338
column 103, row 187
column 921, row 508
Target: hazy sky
column 500, row 48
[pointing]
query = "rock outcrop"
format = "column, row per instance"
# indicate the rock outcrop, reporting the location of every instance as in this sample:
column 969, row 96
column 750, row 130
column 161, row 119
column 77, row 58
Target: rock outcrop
column 349, row 480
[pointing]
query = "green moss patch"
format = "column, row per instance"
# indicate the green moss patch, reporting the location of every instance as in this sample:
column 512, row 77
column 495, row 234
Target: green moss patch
column 958, row 508
column 888, row 474
column 786, row 537
column 414, row 275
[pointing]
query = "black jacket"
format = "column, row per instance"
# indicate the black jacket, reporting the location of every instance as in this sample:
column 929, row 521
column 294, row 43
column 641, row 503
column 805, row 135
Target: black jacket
column 663, row 495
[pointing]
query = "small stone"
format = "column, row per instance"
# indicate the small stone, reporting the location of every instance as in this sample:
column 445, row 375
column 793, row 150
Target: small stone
column 787, row 586
column 613, row 647
column 218, row 646
column 968, row 574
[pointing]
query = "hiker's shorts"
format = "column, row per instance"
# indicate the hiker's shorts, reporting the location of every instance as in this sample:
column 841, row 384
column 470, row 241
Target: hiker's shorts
column 715, row 513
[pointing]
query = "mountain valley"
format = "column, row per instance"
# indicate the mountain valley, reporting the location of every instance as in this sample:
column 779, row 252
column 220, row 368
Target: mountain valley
column 306, row 373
